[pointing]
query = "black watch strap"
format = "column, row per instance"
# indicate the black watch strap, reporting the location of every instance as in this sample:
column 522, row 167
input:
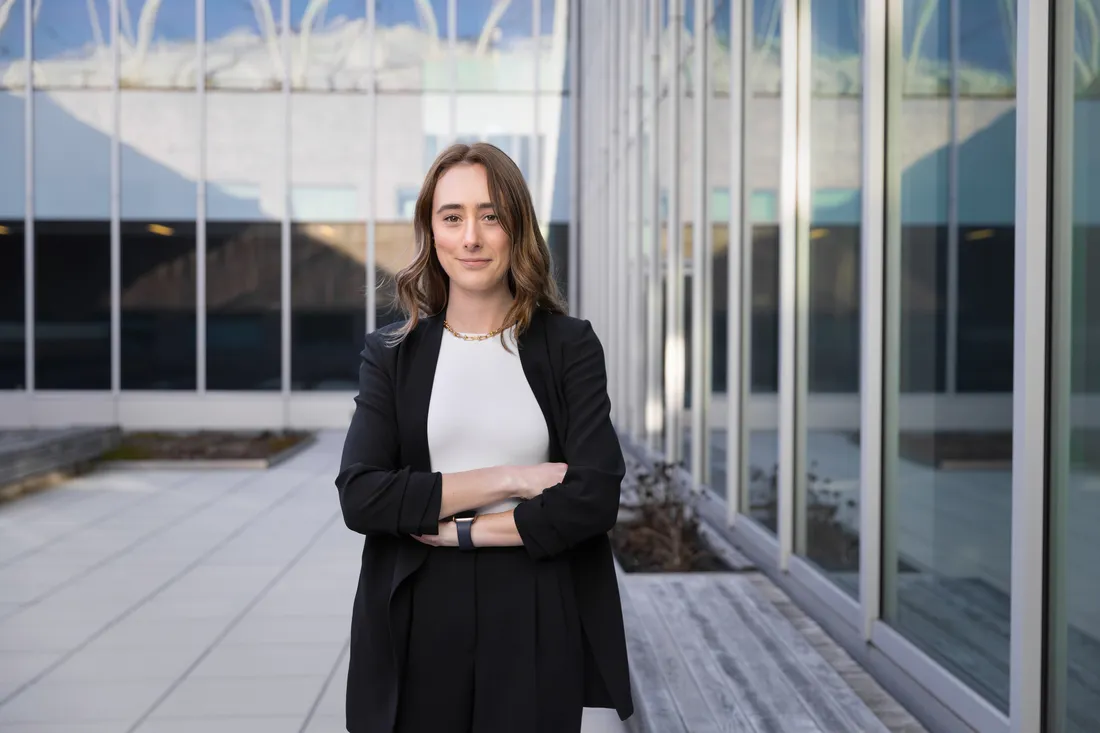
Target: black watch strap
column 464, row 523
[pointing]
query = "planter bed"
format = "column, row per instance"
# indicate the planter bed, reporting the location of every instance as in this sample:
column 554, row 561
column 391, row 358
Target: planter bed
column 206, row 449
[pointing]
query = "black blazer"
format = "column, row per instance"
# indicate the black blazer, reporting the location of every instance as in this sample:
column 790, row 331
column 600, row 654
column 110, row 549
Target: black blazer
column 388, row 491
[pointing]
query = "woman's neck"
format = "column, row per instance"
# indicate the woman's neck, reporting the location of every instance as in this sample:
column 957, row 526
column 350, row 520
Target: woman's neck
column 478, row 312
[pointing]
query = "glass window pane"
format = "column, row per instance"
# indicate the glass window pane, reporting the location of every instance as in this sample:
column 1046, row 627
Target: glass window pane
column 72, row 155
column 329, row 172
column 948, row 484
column 1075, row 589
column 496, row 50
column 412, row 40
column 72, row 305
column 327, row 300
column 243, row 45
column 553, row 46
column 763, row 125
column 158, row 304
column 72, row 45
column 13, row 62
column 72, row 240
column 827, row 522
column 243, row 306
column 12, row 305
column 159, row 131
column 328, row 45
column 158, row 43
column 719, row 176
column 245, row 200
column 13, row 184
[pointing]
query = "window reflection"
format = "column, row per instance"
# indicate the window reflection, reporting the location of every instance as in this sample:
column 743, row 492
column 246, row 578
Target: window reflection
column 1074, row 632
column 13, row 196
column 718, row 177
column 412, row 41
column 157, row 43
column 243, row 306
column 72, row 155
column 827, row 520
column 72, row 305
column 495, row 47
column 72, row 45
column 948, row 487
column 158, row 305
column 327, row 280
column 243, row 48
column 12, row 305
column 328, row 45
column 763, row 127
column 13, row 63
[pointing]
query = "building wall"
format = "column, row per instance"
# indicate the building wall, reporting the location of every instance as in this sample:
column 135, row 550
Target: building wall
column 885, row 387
column 232, row 239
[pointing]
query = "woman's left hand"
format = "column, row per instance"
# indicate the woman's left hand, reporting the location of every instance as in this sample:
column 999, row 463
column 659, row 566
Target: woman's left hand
column 447, row 537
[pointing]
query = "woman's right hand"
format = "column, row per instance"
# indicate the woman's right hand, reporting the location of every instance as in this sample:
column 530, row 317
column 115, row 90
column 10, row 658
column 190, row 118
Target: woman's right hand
column 530, row 481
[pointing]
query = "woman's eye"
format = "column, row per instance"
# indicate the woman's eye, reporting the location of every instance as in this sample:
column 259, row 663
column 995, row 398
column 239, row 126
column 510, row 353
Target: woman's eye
column 450, row 218
column 490, row 217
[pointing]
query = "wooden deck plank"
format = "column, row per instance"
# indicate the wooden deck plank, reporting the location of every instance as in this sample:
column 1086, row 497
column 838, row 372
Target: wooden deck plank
column 770, row 695
column 678, row 675
column 727, row 701
column 824, row 687
column 655, row 710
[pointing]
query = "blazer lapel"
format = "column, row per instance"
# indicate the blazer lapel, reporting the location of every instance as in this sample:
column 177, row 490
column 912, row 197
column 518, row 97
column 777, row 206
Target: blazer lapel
column 534, row 354
column 419, row 356
column 415, row 394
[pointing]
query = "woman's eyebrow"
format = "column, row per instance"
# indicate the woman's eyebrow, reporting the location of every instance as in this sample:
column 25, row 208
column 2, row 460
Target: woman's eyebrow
column 455, row 207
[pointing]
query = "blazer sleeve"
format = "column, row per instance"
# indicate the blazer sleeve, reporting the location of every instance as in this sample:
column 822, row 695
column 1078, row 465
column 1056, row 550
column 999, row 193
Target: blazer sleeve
column 586, row 503
column 377, row 495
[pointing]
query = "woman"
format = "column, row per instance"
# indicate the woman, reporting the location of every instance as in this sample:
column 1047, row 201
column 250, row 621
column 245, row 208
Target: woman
column 483, row 469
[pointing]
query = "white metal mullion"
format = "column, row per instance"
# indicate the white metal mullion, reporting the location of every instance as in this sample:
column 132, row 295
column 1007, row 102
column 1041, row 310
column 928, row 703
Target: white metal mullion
column 700, row 276
column 452, row 55
column 674, row 275
column 28, row 203
column 614, row 281
column 575, row 135
column 533, row 136
column 370, row 261
column 626, row 200
column 654, row 330
column 803, row 214
column 872, row 307
column 200, row 200
column 1064, row 291
column 637, row 247
column 284, row 229
column 739, row 266
column 788, row 246
column 951, row 347
column 891, row 314
column 115, row 213
column 1030, row 377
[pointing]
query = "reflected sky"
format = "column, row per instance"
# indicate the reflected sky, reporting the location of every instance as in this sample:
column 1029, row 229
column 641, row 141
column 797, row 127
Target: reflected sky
column 11, row 35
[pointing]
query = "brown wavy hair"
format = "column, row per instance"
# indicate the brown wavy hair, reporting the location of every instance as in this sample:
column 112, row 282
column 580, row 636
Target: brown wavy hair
column 424, row 286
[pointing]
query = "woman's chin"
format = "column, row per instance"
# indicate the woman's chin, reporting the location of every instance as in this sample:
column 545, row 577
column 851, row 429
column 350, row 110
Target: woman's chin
column 478, row 284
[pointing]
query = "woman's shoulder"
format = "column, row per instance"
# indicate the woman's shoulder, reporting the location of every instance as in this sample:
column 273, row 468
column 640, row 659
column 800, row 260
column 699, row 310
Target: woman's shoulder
column 570, row 330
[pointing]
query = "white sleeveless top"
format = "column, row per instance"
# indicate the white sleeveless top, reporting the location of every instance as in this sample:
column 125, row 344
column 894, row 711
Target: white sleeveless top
column 483, row 412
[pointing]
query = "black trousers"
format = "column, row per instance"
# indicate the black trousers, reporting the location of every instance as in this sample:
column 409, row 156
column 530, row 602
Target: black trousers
column 495, row 646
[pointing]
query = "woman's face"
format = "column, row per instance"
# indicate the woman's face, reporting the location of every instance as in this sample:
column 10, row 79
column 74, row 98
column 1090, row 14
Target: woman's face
column 470, row 242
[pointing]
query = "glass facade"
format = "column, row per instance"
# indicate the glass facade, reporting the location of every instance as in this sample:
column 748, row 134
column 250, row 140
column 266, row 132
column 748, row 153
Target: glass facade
column 220, row 193
column 892, row 429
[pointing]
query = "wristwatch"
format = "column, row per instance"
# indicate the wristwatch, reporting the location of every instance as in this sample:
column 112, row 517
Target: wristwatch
column 464, row 522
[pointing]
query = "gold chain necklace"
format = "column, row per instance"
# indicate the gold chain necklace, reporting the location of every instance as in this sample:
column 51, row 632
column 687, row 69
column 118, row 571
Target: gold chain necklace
column 471, row 337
